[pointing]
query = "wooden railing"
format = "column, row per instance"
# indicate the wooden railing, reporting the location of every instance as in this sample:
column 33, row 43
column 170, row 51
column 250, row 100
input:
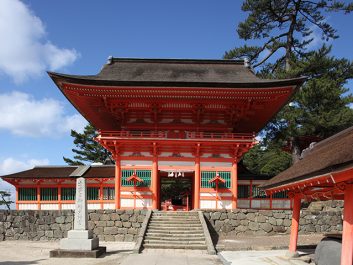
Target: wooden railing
column 177, row 135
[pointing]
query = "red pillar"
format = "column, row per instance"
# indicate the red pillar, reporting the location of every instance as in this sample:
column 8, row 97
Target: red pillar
column 155, row 183
column 17, row 206
column 197, row 183
column 295, row 225
column 59, row 196
column 347, row 235
column 117, row 182
column 234, row 181
column 38, row 196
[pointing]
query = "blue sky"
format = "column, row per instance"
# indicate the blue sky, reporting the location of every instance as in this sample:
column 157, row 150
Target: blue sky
column 76, row 37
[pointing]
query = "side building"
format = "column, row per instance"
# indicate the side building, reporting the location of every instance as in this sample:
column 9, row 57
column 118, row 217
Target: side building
column 53, row 188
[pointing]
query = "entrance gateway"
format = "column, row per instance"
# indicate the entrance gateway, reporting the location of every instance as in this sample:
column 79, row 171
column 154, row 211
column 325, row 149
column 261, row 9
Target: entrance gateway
column 158, row 117
column 168, row 115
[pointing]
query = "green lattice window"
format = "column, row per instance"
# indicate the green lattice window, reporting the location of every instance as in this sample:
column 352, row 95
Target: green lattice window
column 48, row 194
column 27, row 194
column 280, row 195
column 108, row 193
column 258, row 193
column 92, row 193
column 145, row 175
column 206, row 176
column 243, row 191
column 68, row 194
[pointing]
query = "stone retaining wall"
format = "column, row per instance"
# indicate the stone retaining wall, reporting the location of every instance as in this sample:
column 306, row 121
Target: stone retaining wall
column 108, row 225
column 264, row 222
column 124, row 225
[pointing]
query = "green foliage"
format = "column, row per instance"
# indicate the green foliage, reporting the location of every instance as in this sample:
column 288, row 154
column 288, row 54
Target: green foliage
column 285, row 27
column 283, row 31
column 5, row 199
column 87, row 149
column 267, row 160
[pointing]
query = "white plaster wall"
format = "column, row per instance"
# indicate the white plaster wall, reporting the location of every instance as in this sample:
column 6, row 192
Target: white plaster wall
column 108, row 206
column 144, row 203
column 69, row 206
column 26, row 206
column 281, row 204
column 224, row 204
column 176, row 163
column 127, row 203
column 136, row 163
column 93, row 206
column 207, row 204
column 243, row 203
column 49, row 206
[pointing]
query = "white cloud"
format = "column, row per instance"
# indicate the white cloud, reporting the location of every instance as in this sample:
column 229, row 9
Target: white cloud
column 11, row 165
column 23, row 115
column 24, row 49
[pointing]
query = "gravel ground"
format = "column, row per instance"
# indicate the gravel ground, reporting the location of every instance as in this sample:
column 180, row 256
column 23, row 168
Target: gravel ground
column 37, row 252
column 266, row 242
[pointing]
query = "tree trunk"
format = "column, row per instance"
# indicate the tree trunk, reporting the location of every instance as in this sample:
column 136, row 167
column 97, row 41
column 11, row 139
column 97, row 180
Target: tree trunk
column 295, row 149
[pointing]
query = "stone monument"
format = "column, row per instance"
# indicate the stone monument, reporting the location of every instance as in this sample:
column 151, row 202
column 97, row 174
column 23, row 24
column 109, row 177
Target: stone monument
column 79, row 241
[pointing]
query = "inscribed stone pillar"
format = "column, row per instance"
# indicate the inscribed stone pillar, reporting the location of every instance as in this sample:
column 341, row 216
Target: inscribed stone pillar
column 81, row 216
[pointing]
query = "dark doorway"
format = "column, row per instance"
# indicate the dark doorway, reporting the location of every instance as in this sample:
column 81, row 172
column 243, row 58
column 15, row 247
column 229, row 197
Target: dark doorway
column 176, row 192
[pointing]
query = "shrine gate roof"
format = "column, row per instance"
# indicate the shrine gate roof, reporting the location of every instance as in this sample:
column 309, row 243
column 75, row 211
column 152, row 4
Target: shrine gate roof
column 329, row 156
column 176, row 72
column 128, row 91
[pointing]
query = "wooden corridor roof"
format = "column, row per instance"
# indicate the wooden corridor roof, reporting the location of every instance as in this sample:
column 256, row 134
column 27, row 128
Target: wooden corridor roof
column 326, row 157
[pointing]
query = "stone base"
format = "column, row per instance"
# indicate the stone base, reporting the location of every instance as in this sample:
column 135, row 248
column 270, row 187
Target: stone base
column 64, row 253
column 79, row 244
column 292, row 255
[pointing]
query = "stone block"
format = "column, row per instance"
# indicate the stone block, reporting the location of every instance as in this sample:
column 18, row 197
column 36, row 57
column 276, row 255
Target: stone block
column 49, row 234
column 279, row 215
column 287, row 222
column 119, row 237
column 241, row 216
column 127, row 224
column 129, row 238
column 80, row 234
column 79, row 244
column 114, row 217
column 110, row 230
column 94, row 217
column 253, row 226
column 223, row 216
column 124, row 217
column 101, row 223
column 141, row 218
column 266, row 227
column 60, row 219
column 104, row 217
column 109, row 238
column 110, row 223
column 118, row 223
column 215, row 216
column 260, row 219
column 58, row 234
column 122, row 230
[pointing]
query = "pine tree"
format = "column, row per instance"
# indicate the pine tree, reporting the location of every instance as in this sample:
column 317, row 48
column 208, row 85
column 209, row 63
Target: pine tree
column 87, row 149
column 285, row 28
column 5, row 199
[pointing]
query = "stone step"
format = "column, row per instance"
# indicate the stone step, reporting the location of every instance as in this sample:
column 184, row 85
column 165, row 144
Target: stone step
column 186, row 225
column 175, row 232
column 175, row 238
column 161, row 222
column 176, row 246
column 175, row 228
column 161, row 234
column 181, row 242
column 175, row 214
column 180, row 220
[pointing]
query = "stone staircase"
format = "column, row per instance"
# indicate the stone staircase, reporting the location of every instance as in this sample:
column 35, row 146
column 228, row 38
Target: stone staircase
column 175, row 230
